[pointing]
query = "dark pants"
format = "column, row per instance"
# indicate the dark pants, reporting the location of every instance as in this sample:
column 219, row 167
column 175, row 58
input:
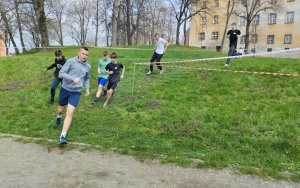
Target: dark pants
column 230, row 52
column 54, row 85
column 156, row 57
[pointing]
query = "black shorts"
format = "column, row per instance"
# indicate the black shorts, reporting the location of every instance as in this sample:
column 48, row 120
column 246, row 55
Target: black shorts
column 112, row 85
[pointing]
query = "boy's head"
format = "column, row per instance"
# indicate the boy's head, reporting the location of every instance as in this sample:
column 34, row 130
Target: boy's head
column 105, row 55
column 113, row 57
column 58, row 54
column 233, row 26
column 83, row 54
column 156, row 35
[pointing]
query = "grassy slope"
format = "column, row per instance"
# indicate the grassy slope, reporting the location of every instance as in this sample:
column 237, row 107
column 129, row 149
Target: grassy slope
column 187, row 116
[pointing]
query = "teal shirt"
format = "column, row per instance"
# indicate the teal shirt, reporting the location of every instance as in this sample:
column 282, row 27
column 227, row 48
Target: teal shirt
column 102, row 64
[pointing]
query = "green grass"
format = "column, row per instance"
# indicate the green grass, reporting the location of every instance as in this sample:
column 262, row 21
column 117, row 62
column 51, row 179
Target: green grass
column 187, row 116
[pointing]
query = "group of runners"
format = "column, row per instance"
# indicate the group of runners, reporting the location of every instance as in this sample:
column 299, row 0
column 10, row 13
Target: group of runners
column 74, row 74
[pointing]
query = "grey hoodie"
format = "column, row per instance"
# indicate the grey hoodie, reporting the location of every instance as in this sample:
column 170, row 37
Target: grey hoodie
column 73, row 68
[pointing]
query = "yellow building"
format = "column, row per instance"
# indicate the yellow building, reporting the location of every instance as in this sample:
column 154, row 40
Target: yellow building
column 272, row 31
column 2, row 44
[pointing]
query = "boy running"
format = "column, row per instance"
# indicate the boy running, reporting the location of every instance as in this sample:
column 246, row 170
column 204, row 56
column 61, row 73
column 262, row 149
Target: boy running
column 113, row 70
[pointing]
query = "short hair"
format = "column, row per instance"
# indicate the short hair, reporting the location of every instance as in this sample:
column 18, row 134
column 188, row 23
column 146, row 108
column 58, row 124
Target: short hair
column 156, row 34
column 58, row 53
column 105, row 53
column 233, row 23
column 113, row 55
column 85, row 48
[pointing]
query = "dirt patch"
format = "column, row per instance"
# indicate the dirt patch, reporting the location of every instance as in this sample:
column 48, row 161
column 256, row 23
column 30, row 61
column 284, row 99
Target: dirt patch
column 35, row 166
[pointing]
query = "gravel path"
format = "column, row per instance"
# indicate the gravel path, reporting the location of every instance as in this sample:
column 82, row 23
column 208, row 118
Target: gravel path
column 34, row 166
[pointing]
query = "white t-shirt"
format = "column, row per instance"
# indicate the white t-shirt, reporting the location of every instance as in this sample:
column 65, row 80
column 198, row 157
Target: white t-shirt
column 241, row 51
column 160, row 46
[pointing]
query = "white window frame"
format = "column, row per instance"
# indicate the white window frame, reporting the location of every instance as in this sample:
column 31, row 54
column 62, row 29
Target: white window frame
column 255, row 20
column 272, row 18
column 270, row 39
column 242, row 21
column 216, row 19
column 217, row 4
column 254, row 38
column 201, row 36
column 203, row 20
column 289, row 17
column 214, row 35
column 288, row 39
column 243, row 39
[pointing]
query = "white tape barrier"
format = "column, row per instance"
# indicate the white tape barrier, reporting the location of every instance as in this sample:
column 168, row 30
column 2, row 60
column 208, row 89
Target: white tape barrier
column 239, row 71
column 219, row 58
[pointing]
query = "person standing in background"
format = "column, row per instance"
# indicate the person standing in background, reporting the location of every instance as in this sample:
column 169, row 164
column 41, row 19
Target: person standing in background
column 159, row 50
column 233, row 35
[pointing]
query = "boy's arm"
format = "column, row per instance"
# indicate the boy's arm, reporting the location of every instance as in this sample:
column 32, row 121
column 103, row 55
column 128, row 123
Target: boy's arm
column 166, row 45
column 63, row 73
column 123, row 71
column 50, row 67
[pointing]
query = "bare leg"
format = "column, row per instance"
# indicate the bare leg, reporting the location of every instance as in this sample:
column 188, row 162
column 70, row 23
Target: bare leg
column 68, row 119
column 109, row 94
column 100, row 89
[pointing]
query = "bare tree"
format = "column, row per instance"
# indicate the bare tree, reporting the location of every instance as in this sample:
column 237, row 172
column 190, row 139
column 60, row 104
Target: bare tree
column 38, row 6
column 114, row 21
column 16, row 3
column 183, row 12
column 79, row 20
column 251, row 9
column 8, row 27
column 56, row 8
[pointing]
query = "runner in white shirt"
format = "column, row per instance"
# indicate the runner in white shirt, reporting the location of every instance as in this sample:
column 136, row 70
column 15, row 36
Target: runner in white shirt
column 159, row 50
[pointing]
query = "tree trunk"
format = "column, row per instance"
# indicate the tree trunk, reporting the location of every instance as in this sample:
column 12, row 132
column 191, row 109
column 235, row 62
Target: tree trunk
column 116, row 4
column 247, row 51
column 19, row 25
column 97, row 23
column 177, row 33
column 128, row 23
column 38, row 6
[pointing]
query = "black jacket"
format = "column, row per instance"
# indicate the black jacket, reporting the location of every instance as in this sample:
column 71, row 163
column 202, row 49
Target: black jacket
column 58, row 64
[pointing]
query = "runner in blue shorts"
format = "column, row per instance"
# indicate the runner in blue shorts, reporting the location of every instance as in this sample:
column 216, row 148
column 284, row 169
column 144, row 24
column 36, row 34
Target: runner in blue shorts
column 102, row 75
column 75, row 74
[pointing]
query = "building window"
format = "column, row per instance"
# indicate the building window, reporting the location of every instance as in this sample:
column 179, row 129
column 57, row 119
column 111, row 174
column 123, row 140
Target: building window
column 215, row 35
column 203, row 20
column 255, row 20
column 270, row 39
column 269, row 50
column 272, row 18
column 242, row 21
column 243, row 39
column 201, row 36
column 289, row 17
column 287, row 39
column 204, row 4
column 254, row 38
column 290, row 0
column 216, row 3
column 273, row 1
column 216, row 19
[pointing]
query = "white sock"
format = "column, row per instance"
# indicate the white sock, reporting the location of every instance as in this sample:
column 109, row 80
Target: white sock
column 63, row 133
